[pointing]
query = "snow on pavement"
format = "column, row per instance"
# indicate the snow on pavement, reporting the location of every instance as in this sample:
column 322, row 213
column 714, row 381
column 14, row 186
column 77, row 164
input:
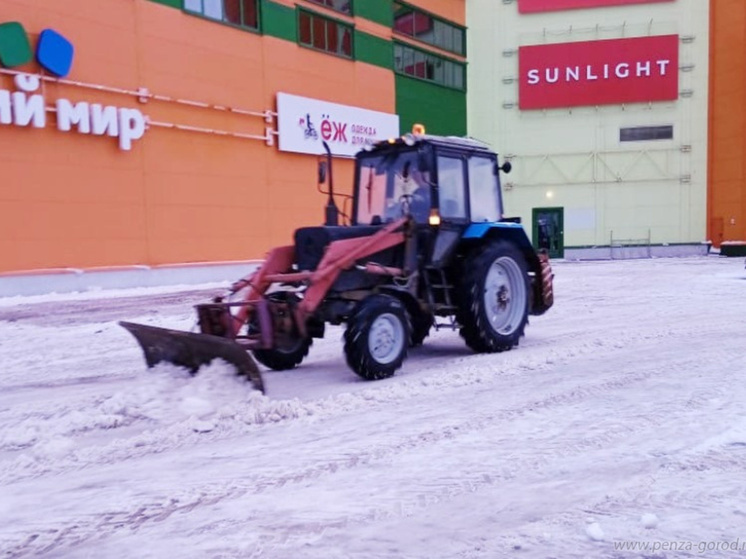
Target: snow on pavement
column 619, row 421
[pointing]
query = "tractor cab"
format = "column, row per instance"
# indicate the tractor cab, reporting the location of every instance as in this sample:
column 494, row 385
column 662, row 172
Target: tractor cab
column 445, row 183
column 436, row 179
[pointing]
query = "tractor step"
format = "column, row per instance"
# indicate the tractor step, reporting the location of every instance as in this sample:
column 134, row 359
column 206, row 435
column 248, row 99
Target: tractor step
column 438, row 289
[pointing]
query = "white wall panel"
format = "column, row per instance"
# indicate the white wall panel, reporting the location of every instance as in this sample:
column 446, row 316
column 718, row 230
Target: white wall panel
column 573, row 158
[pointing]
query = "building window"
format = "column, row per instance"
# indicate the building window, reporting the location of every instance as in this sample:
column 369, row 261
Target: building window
column 645, row 133
column 451, row 195
column 420, row 25
column 344, row 6
column 322, row 33
column 243, row 13
column 428, row 66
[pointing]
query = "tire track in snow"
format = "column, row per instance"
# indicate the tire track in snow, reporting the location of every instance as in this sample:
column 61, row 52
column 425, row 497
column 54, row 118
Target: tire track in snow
column 262, row 410
column 662, row 492
column 105, row 309
column 157, row 512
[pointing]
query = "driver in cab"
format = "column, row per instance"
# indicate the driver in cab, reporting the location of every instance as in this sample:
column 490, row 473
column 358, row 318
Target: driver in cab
column 411, row 195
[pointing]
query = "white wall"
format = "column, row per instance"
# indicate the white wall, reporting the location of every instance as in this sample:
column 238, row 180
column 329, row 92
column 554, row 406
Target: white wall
column 574, row 155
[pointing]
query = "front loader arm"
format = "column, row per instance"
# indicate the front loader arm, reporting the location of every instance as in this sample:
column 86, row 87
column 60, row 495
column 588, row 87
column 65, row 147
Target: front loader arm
column 278, row 261
column 342, row 255
column 216, row 318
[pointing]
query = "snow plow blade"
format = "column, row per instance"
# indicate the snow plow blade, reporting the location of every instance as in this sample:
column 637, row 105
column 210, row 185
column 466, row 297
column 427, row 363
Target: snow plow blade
column 191, row 350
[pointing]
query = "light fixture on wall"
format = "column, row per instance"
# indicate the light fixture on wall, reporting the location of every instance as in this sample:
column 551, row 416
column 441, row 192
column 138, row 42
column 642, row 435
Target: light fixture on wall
column 549, row 194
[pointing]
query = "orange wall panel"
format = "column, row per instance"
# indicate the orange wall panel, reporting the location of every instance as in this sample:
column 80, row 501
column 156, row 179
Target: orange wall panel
column 453, row 10
column 727, row 122
column 74, row 200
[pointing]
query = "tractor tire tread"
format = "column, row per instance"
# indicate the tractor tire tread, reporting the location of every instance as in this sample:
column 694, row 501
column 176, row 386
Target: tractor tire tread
column 278, row 360
column 475, row 329
column 355, row 337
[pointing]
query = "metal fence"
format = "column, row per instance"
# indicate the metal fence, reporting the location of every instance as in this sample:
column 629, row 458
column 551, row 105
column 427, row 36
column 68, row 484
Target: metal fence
column 622, row 249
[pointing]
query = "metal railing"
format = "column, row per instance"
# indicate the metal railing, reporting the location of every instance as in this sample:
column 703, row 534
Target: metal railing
column 621, row 249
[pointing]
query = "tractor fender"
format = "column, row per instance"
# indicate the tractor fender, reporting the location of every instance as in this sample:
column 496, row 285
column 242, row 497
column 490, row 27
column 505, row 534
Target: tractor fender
column 479, row 233
column 410, row 301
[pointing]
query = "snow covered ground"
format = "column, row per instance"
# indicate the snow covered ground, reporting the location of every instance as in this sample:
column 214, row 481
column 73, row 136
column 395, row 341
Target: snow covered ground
column 618, row 423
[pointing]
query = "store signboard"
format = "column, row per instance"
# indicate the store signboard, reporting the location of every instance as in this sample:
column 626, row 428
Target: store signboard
column 303, row 124
column 27, row 105
column 533, row 6
column 602, row 72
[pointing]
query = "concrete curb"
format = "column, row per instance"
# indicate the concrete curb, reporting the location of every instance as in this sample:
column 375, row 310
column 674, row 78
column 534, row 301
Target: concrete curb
column 71, row 280
column 626, row 252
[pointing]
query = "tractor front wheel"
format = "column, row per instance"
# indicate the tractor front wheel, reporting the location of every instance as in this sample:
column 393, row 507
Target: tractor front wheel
column 291, row 349
column 493, row 310
column 377, row 337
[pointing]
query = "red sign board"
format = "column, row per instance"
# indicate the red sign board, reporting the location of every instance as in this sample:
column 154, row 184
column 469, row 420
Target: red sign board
column 532, row 6
column 599, row 72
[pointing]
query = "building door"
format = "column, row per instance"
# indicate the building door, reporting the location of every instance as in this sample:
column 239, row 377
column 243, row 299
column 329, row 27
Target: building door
column 548, row 227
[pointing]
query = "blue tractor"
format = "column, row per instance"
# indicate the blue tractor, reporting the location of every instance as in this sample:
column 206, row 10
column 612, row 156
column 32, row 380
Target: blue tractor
column 425, row 245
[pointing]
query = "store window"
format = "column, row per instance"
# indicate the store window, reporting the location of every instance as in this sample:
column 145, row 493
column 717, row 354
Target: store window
column 344, row 6
column 422, row 26
column 243, row 13
column 319, row 32
column 645, row 133
column 427, row 66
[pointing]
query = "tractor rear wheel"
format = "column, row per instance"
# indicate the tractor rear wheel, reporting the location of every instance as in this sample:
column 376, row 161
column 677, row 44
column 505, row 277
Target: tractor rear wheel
column 494, row 298
column 284, row 357
column 290, row 351
column 377, row 337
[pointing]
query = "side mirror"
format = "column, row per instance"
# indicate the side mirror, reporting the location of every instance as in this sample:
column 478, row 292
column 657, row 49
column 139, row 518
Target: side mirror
column 506, row 167
column 322, row 172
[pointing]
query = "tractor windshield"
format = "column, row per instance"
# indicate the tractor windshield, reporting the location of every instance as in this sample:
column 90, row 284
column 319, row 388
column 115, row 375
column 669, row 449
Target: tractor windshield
column 391, row 185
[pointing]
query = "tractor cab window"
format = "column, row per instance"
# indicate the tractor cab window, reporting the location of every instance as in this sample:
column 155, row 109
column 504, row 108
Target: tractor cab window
column 391, row 185
column 451, row 188
column 484, row 193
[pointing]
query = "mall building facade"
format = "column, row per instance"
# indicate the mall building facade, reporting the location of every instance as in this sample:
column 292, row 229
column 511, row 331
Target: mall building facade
column 162, row 132
column 152, row 132
column 601, row 106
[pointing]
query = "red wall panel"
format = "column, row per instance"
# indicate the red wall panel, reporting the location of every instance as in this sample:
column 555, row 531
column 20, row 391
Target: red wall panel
column 532, row 6
column 599, row 72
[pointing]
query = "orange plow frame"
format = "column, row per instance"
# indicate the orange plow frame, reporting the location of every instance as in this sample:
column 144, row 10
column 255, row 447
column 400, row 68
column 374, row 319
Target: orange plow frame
column 220, row 326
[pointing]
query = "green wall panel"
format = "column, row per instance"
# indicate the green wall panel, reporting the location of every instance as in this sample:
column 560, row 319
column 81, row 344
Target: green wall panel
column 441, row 110
column 279, row 21
column 374, row 50
column 380, row 11
column 172, row 3
column 15, row 49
